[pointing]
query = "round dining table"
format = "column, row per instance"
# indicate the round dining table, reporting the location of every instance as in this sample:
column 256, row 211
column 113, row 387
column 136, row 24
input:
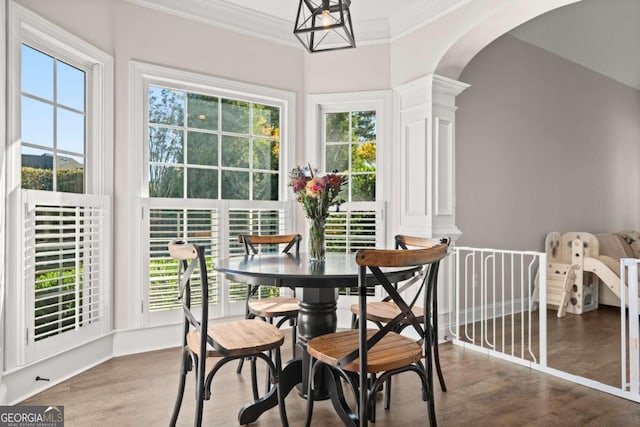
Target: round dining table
column 316, row 284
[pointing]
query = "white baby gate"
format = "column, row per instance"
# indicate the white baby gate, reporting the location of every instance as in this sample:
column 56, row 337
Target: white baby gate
column 492, row 311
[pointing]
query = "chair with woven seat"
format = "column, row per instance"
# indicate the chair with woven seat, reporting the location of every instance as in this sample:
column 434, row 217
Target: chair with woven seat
column 203, row 341
column 285, row 308
column 366, row 358
column 382, row 312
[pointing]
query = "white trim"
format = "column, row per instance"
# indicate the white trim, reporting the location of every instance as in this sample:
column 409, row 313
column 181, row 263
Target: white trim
column 443, row 186
column 412, row 19
column 228, row 16
column 3, row 168
column 58, row 368
column 242, row 20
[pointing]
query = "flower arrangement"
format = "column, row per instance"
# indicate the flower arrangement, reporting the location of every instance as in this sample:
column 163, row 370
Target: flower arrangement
column 316, row 194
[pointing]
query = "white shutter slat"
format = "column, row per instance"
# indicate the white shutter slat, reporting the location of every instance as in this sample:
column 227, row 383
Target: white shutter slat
column 197, row 226
column 63, row 261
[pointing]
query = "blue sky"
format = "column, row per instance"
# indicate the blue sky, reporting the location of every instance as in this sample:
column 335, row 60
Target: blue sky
column 51, row 91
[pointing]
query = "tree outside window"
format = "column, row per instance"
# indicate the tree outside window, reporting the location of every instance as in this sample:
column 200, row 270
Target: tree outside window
column 350, row 149
column 208, row 147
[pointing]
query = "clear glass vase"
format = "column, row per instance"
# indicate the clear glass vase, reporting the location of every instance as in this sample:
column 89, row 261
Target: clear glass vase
column 317, row 249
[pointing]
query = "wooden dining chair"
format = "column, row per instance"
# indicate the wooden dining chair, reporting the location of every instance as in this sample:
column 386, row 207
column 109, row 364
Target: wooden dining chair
column 284, row 308
column 382, row 312
column 218, row 342
column 365, row 358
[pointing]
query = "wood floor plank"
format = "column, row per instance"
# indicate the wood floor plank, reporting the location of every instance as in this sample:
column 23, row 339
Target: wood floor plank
column 139, row 390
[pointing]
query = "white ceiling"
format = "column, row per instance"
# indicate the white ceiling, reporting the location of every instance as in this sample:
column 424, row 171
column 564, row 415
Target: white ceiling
column 373, row 20
column 361, row 9
column 602, row 35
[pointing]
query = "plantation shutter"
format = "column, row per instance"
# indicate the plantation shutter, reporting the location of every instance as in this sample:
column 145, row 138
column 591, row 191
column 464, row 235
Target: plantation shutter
column 215, row 224
column 66, row 269
column 356, row 226
column 351, row 230
column 197, row 226
column 251, row 221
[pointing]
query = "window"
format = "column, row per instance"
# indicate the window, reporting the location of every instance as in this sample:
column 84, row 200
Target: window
column 61, row 99
column 52, row 105
column 352, row 134
column 212, row 159
column 203, row 146
column 350, row 149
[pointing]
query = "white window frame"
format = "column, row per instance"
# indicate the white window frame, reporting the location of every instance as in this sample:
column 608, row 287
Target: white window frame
column 381, row 102
column 26, row 27
column 3, row 143
column 141, row 76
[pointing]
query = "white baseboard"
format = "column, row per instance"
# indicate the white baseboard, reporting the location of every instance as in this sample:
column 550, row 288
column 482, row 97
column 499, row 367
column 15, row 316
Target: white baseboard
column 21, row 382
column 132, row 341
column 3, row 395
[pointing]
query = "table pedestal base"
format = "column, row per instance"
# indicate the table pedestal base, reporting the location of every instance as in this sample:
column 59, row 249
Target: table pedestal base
column 316, row 316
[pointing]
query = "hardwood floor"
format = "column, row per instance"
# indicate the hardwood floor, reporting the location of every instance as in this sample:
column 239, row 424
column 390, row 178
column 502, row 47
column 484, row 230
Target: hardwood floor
column 139, row 390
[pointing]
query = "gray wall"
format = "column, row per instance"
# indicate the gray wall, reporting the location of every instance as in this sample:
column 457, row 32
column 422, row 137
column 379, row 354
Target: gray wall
column 543, row 144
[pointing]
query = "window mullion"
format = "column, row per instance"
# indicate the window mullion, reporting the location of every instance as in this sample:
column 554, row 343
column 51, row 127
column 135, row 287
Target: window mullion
column 55, row 126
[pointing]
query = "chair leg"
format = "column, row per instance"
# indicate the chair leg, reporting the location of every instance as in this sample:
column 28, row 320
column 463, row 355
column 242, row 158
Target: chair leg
column 184, row 368
column 267, row 385
column 429, row 367
column 354, row 321
column 434, row 337
column 199, row 393
column 387, row 393
column 240, row 364
column 374, row 394
column 436, row 354
column 294, row 336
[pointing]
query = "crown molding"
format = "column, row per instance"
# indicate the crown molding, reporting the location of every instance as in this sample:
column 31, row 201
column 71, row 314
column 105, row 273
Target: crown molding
column 247, row 21
column 410, row 19
column 227, row 16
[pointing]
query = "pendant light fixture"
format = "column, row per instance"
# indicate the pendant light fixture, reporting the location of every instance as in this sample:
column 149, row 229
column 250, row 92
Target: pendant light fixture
column 324, row 25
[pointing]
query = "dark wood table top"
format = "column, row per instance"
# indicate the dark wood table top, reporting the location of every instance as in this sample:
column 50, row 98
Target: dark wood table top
column 338, row 270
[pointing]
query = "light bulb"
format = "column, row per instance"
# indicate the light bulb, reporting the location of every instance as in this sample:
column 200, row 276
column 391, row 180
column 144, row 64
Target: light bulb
column 326, row 18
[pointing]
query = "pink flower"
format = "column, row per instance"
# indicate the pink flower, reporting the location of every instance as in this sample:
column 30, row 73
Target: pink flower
column 314, row 186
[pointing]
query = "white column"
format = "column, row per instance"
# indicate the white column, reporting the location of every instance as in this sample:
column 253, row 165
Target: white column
column 413, row 158
column 424, row 167
column 444, row 92
column 424, row 163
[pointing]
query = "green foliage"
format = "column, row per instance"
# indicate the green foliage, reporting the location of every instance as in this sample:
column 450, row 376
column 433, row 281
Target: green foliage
column 169, row 168
column 68, row 180
column 357, row 149
column 56, row 300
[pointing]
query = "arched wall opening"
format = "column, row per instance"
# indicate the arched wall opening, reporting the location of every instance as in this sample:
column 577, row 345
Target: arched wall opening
column 541, row 143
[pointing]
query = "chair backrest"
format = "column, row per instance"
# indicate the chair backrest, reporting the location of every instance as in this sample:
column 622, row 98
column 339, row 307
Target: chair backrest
column 373, row 260
column 250, row 241
column 405, row 242
column 190, row 257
